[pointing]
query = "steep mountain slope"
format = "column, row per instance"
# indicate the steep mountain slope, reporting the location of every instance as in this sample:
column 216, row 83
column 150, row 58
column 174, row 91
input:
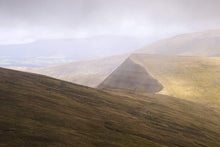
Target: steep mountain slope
column 41, row 111
column 133, row 77
column 191, row 78
column 204, row 44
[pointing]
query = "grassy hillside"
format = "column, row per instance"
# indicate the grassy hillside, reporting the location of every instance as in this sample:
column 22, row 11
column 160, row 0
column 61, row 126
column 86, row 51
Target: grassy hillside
column 204, row 44
column 40, row 111
column 192, row 78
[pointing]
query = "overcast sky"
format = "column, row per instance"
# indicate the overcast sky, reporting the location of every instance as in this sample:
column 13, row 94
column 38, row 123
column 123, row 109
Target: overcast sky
column 28, row 20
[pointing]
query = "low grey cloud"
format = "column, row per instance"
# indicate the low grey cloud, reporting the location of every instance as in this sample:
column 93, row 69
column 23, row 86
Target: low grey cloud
column 29, row 20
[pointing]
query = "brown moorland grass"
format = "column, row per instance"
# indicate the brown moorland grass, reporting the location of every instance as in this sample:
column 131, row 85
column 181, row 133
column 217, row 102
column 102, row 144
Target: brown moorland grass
column 192, row 78
column 37, row 110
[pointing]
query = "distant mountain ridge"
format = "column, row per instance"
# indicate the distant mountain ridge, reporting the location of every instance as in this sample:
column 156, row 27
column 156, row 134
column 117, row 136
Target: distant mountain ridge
column 206, row 44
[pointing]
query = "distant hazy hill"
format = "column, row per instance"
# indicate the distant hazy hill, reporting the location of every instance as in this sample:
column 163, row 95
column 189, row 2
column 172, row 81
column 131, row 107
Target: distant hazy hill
column 191, row 78
column 43, row 53
column 205, row 44
column 37, row 110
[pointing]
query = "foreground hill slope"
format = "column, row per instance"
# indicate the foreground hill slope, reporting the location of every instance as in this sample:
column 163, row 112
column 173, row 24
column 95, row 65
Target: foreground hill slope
column 41, row 111
column 204, row 44
column 192, row 78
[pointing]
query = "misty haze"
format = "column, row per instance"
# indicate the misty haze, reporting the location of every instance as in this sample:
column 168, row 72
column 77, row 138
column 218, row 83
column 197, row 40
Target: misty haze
column 123, row 73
